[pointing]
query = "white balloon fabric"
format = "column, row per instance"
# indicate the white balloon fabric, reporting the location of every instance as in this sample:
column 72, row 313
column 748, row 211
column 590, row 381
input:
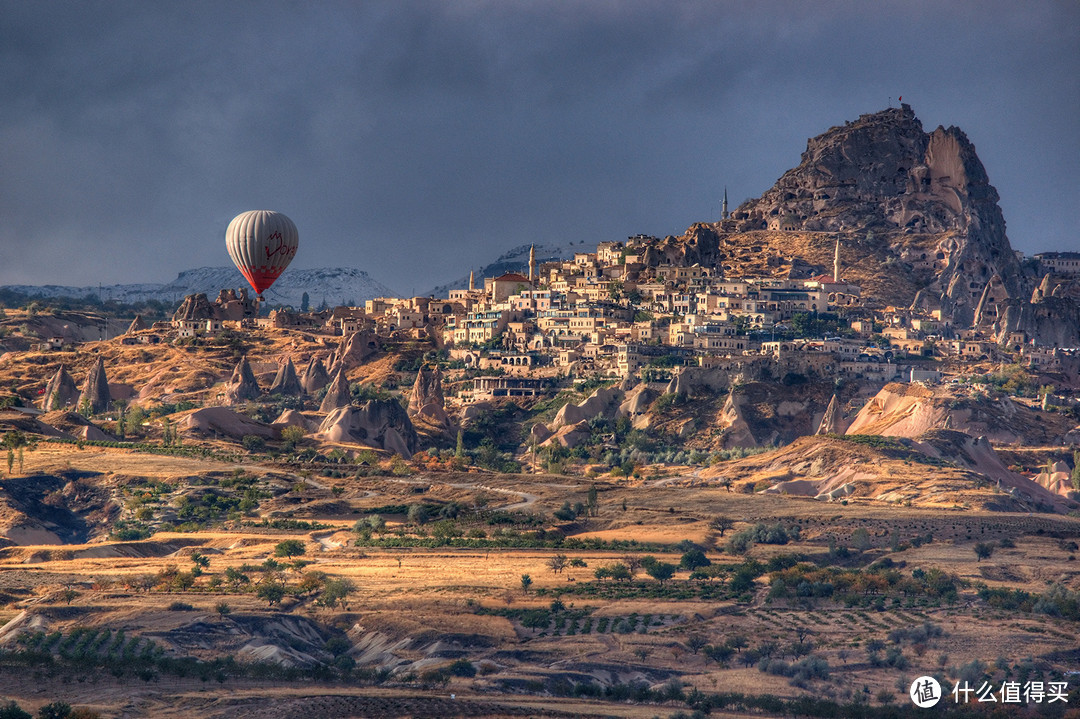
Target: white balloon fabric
column 262, row 243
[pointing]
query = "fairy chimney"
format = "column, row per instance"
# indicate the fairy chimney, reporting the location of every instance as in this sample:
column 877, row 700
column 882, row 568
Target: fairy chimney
column 314, row 377
column 96, row 389
column 286, row 382
column 833, row 420
column 242, row 386
column 137, row 325
column 337, row 393
column 427, row 395
column 61, row 391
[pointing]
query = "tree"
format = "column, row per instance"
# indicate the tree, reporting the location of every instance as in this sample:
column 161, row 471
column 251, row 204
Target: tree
column 721, row 524
column 694, row 559
column 557, row 563
column 695, row 643
column 337, row 590
column 253, row 443
column 860, row 539
column 526, row 582
column 983, row 550
column 292, row 435
column 16, row 441
column 592, row 502
column 417, row 514
column 289, row 548
column 272, row 591
column 235, row 577
column 223, row 609
column 632, row 562
column 121, row 415
column 661, row 571
column 305, row 302
column 1075, row 476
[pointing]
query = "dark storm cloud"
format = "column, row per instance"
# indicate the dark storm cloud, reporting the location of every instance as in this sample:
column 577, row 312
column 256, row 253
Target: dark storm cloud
column 415, row 139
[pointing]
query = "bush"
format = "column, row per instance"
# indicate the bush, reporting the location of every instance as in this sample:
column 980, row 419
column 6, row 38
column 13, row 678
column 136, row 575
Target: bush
column 253, row 443
column 11, row 710
column 55, row 710
column 463, row 668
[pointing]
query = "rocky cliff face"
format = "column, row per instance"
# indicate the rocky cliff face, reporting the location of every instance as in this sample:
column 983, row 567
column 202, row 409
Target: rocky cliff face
column 915, row 213
column 928, row 192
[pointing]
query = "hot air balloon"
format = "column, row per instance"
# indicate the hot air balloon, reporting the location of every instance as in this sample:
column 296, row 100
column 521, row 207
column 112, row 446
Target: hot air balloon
column 262, row 243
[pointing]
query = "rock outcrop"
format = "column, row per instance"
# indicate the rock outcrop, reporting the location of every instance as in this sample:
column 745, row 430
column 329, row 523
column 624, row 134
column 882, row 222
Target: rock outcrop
column 242, row 386
column 293, row 418
column 60, row 392
column 910, row 410
column 222, row 422
column 738, row 432
column 315, row 376
column 382, row 424
column 602, row 402
column 137, row 325
column 884, row 174
column 355, row 349
column 832, row 422
column 427, row 398
column 285, row 381
column 337, row 394
column 570, row 435
column 231, row 305
column 75, row 425
column 96, row 389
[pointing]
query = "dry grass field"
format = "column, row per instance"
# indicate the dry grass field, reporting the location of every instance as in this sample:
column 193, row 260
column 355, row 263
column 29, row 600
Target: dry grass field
column 438, row 608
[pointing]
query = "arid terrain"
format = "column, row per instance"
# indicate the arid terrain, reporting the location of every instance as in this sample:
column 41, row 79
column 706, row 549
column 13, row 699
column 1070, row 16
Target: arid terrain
column 425, row 597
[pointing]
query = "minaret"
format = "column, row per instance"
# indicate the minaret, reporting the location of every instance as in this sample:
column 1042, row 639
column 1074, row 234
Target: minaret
column 532, row 264
column 836, row 262
column 723, row 210
column 472, row 280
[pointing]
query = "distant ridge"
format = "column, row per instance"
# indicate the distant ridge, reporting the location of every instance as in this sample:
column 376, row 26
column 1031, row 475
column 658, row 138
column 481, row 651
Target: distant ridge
column 334, row 285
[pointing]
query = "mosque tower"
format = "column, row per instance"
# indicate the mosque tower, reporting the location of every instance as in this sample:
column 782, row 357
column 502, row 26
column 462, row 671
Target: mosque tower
column 472, row 280
column 836, row 262
column 723, row 209
column 532, row 264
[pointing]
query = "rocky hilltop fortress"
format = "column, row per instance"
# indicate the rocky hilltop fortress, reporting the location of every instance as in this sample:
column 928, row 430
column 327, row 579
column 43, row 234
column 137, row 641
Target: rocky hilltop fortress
column 919, row 223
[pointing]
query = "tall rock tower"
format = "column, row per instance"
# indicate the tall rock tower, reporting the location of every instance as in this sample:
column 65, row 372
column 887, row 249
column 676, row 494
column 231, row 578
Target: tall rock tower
column 96, row 389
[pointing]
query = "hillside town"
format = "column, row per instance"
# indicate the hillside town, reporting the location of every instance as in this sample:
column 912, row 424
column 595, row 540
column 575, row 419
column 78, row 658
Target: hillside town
column 608, row 314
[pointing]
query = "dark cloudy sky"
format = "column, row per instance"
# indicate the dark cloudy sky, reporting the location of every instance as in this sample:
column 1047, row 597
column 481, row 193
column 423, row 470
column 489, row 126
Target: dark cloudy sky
column 414, row 139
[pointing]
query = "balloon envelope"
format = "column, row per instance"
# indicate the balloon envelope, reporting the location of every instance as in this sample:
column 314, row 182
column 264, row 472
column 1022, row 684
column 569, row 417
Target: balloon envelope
column 262, row 243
